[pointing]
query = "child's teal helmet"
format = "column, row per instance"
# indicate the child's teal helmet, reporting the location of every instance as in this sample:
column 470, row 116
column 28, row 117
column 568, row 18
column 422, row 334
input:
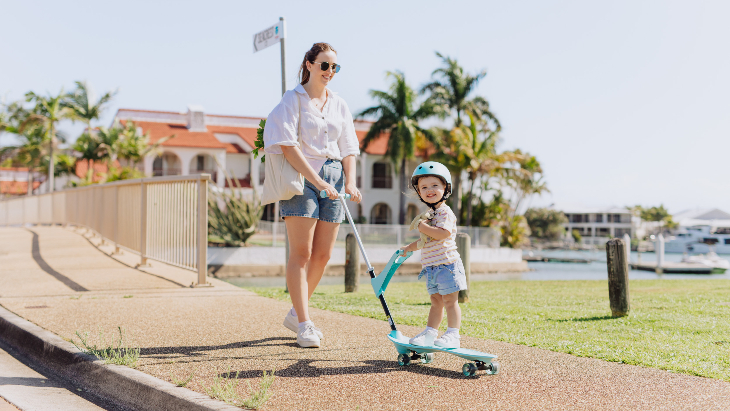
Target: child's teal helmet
column 432, row 168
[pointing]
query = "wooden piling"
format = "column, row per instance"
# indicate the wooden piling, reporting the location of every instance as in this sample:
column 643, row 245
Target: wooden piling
column 618, row 277
column 352, row 264
column 463, row 245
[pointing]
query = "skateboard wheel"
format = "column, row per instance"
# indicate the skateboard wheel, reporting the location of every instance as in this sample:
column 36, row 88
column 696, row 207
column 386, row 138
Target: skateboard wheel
column 493, row 368
column 404, row 359
column 469, row 369
column 427, row 357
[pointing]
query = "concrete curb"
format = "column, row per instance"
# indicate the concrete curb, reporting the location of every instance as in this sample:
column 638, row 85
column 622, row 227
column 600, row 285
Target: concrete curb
column 126, row 386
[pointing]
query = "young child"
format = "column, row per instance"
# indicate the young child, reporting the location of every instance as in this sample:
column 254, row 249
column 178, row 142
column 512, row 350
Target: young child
column 441, row 262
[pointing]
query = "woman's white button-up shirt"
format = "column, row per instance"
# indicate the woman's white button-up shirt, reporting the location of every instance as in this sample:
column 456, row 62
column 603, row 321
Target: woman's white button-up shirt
column 329, row 133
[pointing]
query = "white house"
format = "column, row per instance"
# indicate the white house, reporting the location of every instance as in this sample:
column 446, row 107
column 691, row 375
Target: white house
column 203, row 141
column 598, row 225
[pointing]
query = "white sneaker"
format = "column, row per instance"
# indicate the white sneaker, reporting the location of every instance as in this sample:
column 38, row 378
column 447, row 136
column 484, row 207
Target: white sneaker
column 292, row 322
column 425, row 337
column 307, row 337
column 449, row 340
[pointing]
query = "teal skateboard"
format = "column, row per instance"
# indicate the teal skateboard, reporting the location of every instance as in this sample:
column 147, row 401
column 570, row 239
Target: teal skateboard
column 408, row 353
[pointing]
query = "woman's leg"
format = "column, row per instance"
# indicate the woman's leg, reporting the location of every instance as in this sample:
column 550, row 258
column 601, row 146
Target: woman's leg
column 300, row 251
column 453, row 311
column 325, row 235
column 437, row 311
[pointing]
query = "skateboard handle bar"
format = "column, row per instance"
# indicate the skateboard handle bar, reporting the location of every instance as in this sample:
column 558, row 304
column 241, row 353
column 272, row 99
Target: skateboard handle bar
column 323, row 194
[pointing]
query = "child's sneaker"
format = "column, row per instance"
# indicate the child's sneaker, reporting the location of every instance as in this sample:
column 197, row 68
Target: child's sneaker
column 448, row 340
column 425, row 337
column 307, row 336
column 292, row 322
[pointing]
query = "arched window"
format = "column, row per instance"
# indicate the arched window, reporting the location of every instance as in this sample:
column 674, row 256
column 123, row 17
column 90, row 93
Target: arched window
column 380, row 214
column 382, row 176
column 168, row 164
column 411, row 213
column 268, row 214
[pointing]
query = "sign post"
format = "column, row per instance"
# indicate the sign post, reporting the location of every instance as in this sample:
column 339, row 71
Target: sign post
column 261, row 40
column 269, row 37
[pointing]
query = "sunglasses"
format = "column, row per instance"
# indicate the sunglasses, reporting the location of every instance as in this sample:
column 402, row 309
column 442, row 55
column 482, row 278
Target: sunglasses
column 325, row 65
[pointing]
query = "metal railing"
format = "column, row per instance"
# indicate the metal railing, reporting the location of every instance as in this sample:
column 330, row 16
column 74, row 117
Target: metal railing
column 159, row 218
column 376, row 234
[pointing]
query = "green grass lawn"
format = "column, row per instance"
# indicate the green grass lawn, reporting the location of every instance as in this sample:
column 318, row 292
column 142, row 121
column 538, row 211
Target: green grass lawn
column 676, row 325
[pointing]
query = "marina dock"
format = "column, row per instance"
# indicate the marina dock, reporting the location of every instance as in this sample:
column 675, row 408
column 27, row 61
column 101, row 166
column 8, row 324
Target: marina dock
column 673, row 268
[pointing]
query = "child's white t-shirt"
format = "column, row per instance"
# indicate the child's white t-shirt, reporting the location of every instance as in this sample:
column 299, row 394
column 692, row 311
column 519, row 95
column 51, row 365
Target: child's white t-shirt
column 437, row 252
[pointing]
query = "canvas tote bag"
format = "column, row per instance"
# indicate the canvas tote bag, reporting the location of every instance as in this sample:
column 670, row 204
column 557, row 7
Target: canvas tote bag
column 281, row 180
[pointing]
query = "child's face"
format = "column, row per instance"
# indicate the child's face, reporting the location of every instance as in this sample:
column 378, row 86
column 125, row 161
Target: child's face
column 431, row 189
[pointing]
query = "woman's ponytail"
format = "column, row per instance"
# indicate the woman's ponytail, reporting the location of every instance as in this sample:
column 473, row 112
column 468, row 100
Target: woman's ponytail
column 310, row 56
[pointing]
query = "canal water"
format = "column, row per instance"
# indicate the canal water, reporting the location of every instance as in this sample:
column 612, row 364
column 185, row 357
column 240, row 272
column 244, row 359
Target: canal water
column 539, row 271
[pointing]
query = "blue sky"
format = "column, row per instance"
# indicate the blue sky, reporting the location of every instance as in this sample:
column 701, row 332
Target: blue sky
column 623, row 102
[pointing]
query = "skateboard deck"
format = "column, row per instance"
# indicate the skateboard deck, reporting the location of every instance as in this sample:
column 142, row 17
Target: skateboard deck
column 403, row 347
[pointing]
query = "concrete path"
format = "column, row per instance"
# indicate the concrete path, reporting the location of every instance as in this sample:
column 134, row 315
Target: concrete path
column 57, row 279
column 27, row 389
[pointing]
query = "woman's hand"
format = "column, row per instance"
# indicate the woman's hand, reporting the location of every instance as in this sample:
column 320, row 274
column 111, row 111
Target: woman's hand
column 332, row 193
column 354, row 193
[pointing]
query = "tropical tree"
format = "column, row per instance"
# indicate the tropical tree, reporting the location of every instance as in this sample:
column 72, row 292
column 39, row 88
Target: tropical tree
column 48, row 111
column 119, row 142
column 29, row 151
column 84, row 105
column 450, row 90
column 449, row 95
column 398, row 114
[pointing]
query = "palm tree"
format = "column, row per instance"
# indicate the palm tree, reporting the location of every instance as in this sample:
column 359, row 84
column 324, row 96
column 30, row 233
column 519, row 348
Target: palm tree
column 396, row 114
column 449, row 93
column 48, row 111
column 81, row 102
column 29, row 151
column 455, row 158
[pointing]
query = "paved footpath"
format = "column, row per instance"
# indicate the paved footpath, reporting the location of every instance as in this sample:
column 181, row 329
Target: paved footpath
column 57, row 279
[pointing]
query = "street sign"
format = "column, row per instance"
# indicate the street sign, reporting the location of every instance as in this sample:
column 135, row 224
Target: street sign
column 268, row 37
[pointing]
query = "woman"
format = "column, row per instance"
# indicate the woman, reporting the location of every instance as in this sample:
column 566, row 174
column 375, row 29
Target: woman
column 314, row 130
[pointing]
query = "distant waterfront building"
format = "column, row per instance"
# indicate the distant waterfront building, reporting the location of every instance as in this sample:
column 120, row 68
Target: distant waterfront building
column 204, row 141
column 598, row 225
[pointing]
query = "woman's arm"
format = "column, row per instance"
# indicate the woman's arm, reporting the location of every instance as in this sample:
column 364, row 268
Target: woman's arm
column 348, row 165
column 433, row 232
column 295, row 157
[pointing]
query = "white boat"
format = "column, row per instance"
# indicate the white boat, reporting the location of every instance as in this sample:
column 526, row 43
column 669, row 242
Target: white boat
column 710, row 259
column 699, row 239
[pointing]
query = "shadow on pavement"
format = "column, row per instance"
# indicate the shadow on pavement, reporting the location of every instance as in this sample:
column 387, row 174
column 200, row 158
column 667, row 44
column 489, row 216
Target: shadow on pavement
column 304, row 368
column 162, row 352
column 36, row 251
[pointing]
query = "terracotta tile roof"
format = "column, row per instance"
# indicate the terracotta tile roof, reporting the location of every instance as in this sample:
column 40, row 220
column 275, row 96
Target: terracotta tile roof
column 13, row 168
column 82, row 168
column 165, row 123
column 16, row 187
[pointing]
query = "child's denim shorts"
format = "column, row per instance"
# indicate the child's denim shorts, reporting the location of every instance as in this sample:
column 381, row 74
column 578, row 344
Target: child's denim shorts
column 310, row 205
column 445, row 278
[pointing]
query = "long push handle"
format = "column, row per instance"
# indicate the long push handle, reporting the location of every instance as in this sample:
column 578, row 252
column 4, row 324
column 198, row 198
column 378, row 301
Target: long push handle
column 323, row 194
column 371, row 270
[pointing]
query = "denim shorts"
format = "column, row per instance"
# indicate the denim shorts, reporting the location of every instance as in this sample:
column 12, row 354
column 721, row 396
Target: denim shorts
column 310, row 205
column 445, row 278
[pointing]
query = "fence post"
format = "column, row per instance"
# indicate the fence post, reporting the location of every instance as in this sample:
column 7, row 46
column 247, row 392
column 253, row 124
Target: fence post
column 143, row 225
column 116, row 220
column 203, row 229
column 618, row 277
column 463, row 245
column 352, row 264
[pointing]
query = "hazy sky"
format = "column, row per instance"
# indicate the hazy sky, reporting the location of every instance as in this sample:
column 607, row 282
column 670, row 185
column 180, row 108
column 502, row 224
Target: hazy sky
column 623, row 102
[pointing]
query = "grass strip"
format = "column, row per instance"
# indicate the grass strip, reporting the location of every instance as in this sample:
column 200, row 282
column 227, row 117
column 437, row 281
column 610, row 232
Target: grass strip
column 676, row 325
column 114, row 352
